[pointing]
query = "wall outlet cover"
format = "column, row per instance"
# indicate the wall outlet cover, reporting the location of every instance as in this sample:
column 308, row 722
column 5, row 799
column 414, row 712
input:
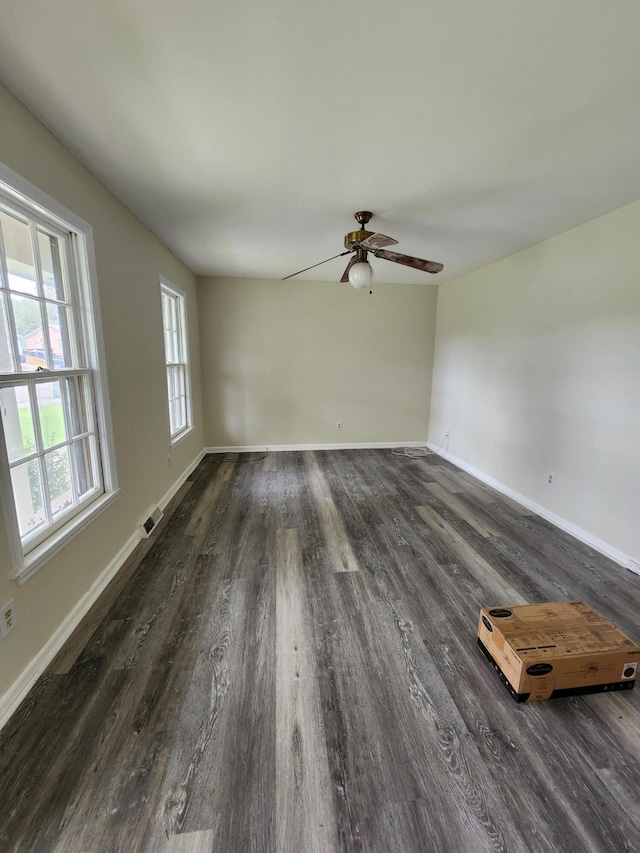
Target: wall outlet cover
column 8, row 619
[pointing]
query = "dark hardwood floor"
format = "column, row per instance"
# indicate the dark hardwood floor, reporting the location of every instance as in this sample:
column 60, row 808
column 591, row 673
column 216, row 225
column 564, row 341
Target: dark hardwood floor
column 290, row 664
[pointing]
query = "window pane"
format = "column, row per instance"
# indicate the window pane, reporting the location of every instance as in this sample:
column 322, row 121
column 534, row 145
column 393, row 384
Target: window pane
column 176, row 380
column 177, row 414
column 16, row 236
column 173, row 314
column 51, row 413
column 169, row 312
column 58, row 329
column 79, row 421
column 174, row 409
column 170, row 325
column 17, row 421
column 81, row 454
column 166, row 308
column 28, row 318
column 171, row 346
column 182, row 412
column 58, row 470
column 7, row 364
column 51, row 266
column 27, row 490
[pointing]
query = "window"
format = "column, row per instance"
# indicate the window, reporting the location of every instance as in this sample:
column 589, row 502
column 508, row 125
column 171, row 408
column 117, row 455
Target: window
column 174, row 324
column 55, row 460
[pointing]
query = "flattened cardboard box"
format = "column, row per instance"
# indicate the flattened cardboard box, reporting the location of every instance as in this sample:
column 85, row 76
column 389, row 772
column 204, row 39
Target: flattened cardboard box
column 556, row 649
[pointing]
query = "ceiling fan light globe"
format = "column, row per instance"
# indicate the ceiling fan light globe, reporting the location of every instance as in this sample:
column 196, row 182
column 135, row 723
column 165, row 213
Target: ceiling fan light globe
column 361, row 275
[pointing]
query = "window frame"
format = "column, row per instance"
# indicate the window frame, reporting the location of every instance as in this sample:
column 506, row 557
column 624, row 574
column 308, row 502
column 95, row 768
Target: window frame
column 180, row 298
column 26, row 199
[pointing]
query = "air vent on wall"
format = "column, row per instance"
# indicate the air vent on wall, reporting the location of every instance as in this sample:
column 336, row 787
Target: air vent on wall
column 148, row 526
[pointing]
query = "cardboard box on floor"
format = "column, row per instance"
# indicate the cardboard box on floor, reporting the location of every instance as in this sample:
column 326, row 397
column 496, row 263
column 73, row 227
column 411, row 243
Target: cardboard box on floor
column 556, row 649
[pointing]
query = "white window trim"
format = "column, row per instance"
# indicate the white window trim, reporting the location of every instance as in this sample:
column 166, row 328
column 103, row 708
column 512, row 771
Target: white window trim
column 174, row 290
column 21, row 190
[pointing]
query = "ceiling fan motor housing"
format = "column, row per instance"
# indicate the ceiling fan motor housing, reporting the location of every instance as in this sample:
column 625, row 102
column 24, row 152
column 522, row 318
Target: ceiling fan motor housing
column 353, row 239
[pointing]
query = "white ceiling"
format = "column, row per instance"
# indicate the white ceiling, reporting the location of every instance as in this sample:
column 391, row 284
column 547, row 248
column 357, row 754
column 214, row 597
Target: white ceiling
column 245, row 134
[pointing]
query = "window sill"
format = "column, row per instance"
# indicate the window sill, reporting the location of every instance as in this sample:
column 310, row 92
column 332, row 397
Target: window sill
column 181, row 437
column 36, row 559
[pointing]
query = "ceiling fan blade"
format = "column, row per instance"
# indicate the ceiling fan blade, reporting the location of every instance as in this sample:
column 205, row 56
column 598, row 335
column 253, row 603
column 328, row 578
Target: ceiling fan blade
column 348, row 252
column 378, row 241
column 345, row 274
column 408, row 261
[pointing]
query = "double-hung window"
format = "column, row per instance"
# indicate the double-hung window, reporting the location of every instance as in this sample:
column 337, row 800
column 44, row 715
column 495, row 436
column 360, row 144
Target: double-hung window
column 176, row 349
column 55, row 465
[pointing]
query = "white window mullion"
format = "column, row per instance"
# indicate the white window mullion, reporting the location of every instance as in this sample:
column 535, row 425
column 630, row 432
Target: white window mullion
column 11, row 379
column 9, row 510
column 35, row 415
column 35, row 248
column 80, row 346
column 93, row 426
column 14, row 350
column 75, row 476
column 28, row 458
column 76, row 325
column 46, row 497
column 4, row 281
column 37, row 432
column 66, row 416
column 98, row 477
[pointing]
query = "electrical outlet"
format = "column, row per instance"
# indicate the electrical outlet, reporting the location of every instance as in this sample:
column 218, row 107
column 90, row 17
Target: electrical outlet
column 338, row 424
column 551, row 478
column 8, row 621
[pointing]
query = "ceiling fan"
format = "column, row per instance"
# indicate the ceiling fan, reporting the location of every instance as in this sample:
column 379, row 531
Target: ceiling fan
column 359, row 243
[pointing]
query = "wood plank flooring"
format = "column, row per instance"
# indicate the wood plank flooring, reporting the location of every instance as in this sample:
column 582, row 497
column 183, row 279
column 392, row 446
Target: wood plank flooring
column 290, row 665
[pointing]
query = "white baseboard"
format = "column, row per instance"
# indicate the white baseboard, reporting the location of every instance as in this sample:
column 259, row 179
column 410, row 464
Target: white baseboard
column 10, row 700
column 363, row 445
column 181, row 479
column 583, row 535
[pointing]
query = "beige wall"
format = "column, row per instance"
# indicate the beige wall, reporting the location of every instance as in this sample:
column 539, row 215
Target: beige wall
column 537, row 369
column 283, row 361
column 129, row 260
